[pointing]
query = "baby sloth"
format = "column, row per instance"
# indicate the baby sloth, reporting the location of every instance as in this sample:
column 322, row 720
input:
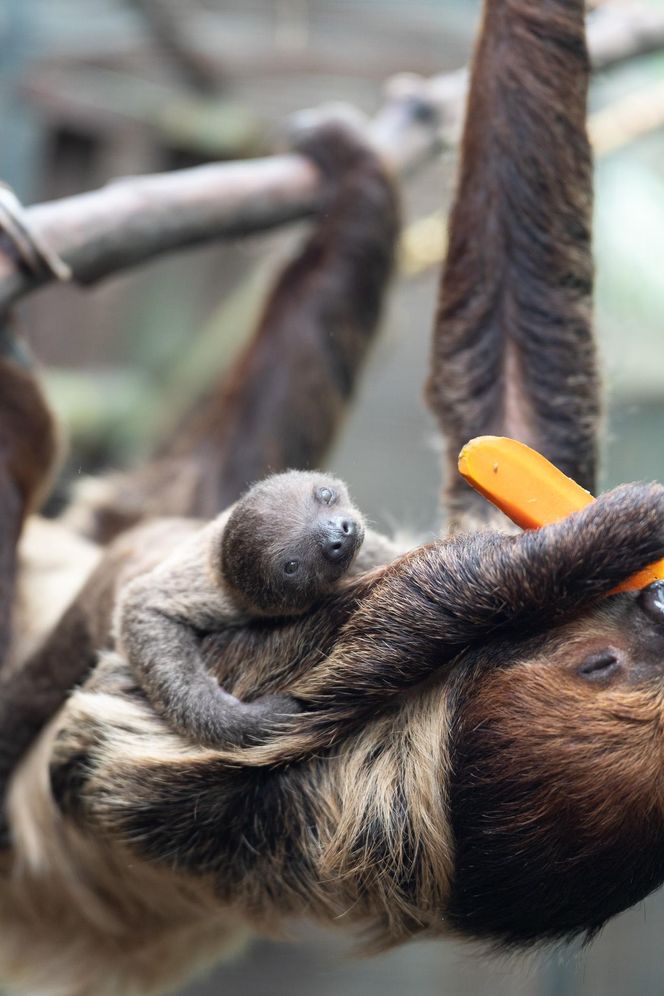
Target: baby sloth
column 283, row 546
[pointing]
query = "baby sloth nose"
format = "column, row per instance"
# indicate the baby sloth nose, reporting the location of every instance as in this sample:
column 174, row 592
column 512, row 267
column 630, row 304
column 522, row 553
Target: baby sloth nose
column 651, row 600
column 339, row 539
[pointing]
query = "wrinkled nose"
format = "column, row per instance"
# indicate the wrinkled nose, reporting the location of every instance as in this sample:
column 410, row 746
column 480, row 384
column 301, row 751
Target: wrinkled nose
column 651, row 600
column 339, row 539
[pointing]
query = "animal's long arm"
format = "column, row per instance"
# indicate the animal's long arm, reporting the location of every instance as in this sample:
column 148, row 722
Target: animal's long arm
column 282, row 402
column 513, row 351
column 531, row 491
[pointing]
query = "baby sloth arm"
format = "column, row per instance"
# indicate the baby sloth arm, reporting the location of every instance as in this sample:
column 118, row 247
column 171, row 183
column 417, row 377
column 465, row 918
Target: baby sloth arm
column 283, row 546
column 161, row 620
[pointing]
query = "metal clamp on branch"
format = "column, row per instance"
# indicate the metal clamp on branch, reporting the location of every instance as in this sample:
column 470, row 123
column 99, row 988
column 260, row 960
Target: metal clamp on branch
column 32, row 248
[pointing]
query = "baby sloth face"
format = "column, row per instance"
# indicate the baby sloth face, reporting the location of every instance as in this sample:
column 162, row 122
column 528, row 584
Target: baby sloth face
column 289, row 540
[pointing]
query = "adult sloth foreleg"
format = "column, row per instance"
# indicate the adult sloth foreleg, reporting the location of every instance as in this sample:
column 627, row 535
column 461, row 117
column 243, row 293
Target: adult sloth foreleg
column 283, row 401
column 513, row 351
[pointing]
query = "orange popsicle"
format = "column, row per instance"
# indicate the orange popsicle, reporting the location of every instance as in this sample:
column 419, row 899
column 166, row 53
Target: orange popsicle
column 530, row 490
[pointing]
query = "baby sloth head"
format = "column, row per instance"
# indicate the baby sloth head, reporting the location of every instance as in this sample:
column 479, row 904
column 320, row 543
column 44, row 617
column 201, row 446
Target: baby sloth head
column 289, row 540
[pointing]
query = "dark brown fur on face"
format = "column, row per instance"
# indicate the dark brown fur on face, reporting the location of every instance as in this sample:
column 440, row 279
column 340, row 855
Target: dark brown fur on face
column 557, row 792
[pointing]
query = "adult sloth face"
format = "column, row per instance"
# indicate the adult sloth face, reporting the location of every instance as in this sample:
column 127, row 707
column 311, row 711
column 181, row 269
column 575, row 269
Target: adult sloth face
column 557, row 795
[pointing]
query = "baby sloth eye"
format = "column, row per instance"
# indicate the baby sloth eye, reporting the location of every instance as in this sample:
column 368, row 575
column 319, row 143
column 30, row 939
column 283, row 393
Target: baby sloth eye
column 291, row 566
column 325, row 495
column 600, row 666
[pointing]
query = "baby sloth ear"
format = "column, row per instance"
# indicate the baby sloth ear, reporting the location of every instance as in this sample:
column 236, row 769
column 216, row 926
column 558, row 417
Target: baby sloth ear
column 236, row 557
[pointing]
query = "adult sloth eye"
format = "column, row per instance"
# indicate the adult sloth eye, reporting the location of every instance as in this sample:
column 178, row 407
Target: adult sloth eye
column 325, row 495
column 600, row 666
column 291, row 566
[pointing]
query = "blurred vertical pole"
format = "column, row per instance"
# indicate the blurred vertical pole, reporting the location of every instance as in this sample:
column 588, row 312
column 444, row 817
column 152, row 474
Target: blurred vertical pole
column 20, row 131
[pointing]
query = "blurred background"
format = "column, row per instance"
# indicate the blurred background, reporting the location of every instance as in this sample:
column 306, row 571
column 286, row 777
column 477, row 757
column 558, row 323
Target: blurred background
column 92, row 89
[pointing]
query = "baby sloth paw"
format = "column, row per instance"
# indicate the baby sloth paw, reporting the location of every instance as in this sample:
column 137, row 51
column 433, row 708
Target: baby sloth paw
column 265, row 717
column 275, row 709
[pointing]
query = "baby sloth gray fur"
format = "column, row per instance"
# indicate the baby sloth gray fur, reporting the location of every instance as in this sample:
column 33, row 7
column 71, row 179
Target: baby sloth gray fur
column 274, row 553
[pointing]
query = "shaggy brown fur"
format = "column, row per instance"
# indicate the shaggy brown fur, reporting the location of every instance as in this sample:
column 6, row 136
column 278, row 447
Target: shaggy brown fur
column 27, row 454
column 319, row 320
column 560, row 757
column 515, row 353
column 509, row 749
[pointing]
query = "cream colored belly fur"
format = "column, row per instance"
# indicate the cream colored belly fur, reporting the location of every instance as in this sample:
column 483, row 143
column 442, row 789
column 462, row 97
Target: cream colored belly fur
column 80, row 916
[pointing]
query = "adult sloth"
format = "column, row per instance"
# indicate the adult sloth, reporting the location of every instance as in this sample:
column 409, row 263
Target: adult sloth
column 480, row 738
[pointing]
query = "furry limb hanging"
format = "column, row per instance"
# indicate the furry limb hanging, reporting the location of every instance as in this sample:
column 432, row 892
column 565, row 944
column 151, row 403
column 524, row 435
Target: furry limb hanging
column 135, row 219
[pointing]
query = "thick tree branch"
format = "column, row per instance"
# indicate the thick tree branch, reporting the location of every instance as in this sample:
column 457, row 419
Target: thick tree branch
column 136, row 219
column 616, row 35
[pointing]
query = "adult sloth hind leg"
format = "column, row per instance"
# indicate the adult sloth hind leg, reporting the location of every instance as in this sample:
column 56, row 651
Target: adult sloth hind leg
column 283, row 401
column 287, row 395
column 513, row 351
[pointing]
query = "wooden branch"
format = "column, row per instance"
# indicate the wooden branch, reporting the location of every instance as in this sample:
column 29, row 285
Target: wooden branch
column 627, row 119
column 136, row 219
column 616, row 35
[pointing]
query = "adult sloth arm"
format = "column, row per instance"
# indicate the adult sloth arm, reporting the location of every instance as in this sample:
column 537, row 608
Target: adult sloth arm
column 279, row 408
column 416, row 615
column 513, row 350
column 282, row 402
